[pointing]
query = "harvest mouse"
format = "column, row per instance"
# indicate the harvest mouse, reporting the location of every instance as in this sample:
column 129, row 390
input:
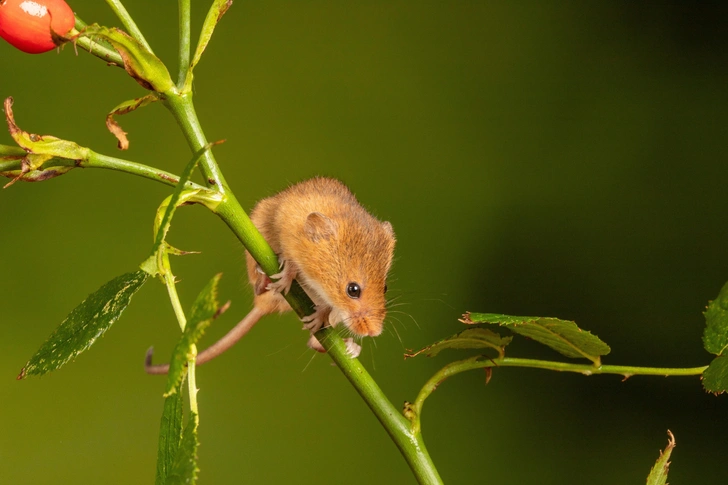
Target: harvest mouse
column 336, row 250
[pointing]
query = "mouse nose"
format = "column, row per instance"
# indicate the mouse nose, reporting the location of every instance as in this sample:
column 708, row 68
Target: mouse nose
column 365, row 327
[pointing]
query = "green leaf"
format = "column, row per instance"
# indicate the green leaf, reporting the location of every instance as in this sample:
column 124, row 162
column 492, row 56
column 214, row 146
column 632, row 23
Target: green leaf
column 39, row 149
column 472, row 338
column 715, row 377
column 715, row 337
column 139, row 63
column 170, row 434
column 185, row 469
column 561, row 335
column 204, row 310
column 86, row 323
column 46, row 145
column 217, row 10
column 658, row 474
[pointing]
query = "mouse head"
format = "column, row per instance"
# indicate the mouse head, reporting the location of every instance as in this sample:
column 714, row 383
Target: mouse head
column 353, row 253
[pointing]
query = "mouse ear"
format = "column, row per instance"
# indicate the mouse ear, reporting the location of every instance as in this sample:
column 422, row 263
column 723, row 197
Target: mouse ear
column 318, row 227
column 388, row 227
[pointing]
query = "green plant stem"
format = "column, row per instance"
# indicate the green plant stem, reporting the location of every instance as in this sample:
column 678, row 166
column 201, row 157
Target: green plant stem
column 410, row 445
column 100, row 49
column 169, row 282
column 183, row 110
column 184, row 42
column 480, row 362
column 128, row 22
column 95, row 160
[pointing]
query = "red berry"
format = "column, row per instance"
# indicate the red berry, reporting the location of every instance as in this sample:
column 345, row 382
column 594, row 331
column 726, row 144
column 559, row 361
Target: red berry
column 26, row 24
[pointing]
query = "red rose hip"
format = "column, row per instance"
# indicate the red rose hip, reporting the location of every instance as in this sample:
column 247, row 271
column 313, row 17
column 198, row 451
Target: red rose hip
column 26, row 24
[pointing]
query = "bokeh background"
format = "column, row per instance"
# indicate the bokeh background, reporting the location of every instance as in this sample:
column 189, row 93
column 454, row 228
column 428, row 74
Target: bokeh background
column 539, row 158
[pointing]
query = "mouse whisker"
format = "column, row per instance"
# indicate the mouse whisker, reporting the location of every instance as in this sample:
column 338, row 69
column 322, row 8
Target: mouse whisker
column 410, row 316
column 309, row 360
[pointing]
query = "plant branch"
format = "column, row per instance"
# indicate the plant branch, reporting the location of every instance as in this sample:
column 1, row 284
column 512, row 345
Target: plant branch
column 410, row 445
column 94, row 160
column 183, row 110
column 184, row 42
column 128, row 22
column 480, row 362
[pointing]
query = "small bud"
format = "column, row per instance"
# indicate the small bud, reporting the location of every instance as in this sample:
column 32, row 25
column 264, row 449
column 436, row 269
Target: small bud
column 27, row 24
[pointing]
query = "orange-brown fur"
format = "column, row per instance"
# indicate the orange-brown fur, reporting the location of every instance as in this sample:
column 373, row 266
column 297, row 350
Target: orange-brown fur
column 326, row 240
column 359, row 250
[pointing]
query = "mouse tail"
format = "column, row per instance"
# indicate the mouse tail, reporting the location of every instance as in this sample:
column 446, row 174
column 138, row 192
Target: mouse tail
column 218, row 348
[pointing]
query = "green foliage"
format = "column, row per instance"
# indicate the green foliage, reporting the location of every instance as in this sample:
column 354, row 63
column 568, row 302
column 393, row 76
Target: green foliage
column 472, row 338
column 184, row 470
column 715, row 377
column 39, row 150
column 170, row 434
column 715, row 337
column 214, row 15
column 658, row 473
column 86, row 323
column 563, row 336
column 204, row 310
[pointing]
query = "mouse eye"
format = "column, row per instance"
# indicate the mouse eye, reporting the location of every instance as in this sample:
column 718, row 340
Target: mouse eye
column 385, row 289
column 353, row 290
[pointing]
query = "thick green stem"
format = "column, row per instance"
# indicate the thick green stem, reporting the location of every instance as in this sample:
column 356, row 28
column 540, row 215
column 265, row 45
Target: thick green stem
column 410, row 444
column 128, row 22
column 184, row 42
column 586, row 369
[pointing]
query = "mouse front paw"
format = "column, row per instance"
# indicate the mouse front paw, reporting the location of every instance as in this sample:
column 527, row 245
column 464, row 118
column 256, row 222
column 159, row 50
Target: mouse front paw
column 316, row 320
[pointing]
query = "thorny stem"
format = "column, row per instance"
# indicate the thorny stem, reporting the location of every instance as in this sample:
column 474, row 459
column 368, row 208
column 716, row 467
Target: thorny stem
column 98, row 48
column 128, row 22
column 480, row 362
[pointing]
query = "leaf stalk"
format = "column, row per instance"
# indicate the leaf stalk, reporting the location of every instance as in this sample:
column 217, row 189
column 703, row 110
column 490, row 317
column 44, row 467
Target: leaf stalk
column 482, row 362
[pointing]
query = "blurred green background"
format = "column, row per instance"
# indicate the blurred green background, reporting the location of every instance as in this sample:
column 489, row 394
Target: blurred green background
column 545, row 158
